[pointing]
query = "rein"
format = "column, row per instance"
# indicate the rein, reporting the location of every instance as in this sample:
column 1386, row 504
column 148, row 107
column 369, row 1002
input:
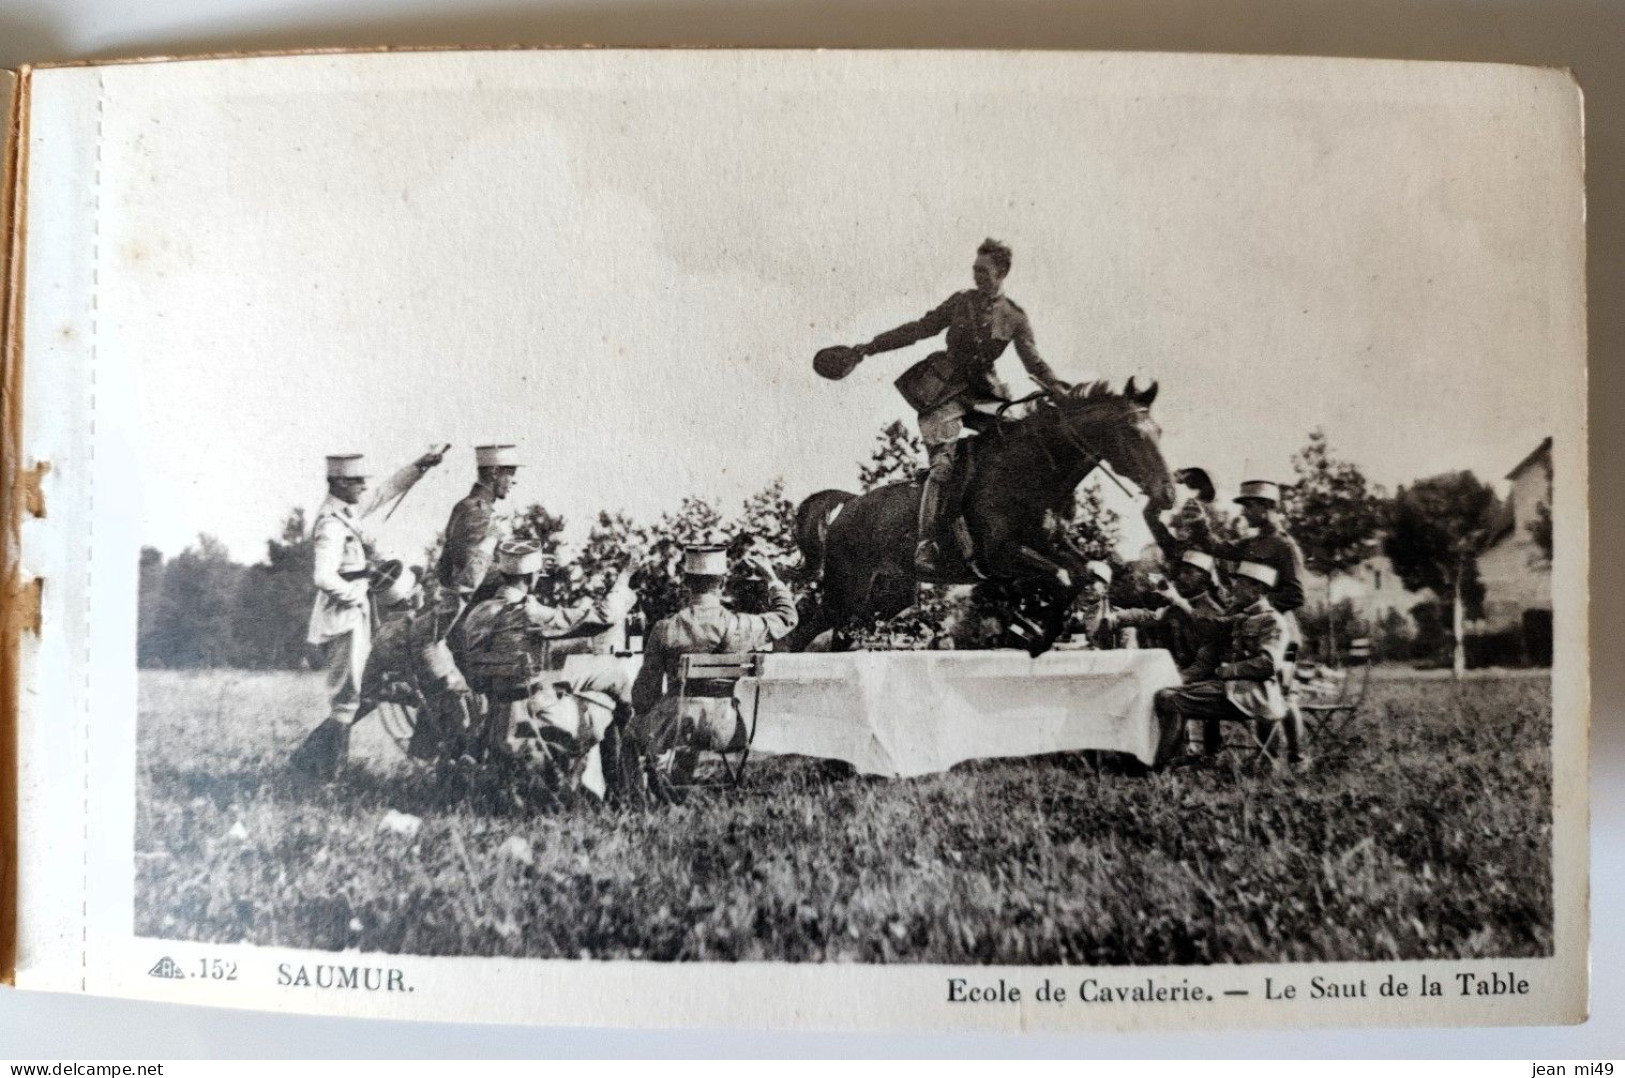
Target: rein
column 1093, row 460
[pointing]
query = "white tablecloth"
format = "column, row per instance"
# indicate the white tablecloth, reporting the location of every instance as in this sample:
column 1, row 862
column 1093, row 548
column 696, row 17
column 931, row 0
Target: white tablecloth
column 907, row 713
column 918, row 712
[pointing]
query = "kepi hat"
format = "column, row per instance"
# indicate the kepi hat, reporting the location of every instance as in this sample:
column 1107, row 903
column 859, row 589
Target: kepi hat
column 1254, row 571
column 519, row 557
column 1260, row 490
column 346, row 466
column 394, row 583
column 705, row 561
column 1099, row 570
column 1197, row 480
column 496, row 456
column 1201, row 560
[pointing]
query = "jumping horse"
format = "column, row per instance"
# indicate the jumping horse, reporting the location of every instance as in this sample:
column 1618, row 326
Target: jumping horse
column 1016, row 475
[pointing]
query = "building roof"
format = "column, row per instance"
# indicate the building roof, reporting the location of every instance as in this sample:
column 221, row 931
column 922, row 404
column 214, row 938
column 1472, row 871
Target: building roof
column 1543, row 451
column 1503, row 519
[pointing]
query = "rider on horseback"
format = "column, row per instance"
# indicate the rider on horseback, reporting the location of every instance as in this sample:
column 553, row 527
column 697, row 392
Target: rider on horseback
column 947, row 385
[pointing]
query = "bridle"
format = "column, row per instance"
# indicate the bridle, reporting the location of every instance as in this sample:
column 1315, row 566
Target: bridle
column 1092, row 459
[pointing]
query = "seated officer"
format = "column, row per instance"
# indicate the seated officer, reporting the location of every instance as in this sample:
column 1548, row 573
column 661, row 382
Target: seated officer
column 1188, row 621
column 1093, row 620
column 1238, row 673
column 709, row 718
column 1194, row 611
column 507, row 657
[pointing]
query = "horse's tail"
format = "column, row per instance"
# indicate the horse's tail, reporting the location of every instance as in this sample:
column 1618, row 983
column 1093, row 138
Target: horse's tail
column 813, row 518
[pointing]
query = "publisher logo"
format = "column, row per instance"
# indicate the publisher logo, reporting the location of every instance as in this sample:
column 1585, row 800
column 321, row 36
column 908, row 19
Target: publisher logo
column 166, row 967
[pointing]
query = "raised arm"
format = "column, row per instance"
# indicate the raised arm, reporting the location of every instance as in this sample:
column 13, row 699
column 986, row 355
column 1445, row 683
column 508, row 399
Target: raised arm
column 758, row 630
column 1165, row 539
column 1202, row 538
column 399, row 483
column 930, row 324
column 589, row 617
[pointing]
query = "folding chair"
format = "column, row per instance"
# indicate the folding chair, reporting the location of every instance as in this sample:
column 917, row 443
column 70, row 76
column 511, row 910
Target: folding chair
column 1331, row 722
column 1265, row 739
column 720, row 674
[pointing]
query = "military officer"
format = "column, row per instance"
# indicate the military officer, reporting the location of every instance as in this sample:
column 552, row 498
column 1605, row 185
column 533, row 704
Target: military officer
column 1270, row 545
column 1195, row 607
column 1189, row 620
column 980, row 322
column 474, row 529
column 709, row 718
column 1095, row 619
column 507, row 655
column 341, row 619
column 1238, row 673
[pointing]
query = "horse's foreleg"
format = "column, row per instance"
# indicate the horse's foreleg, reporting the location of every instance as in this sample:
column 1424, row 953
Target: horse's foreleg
column 1068, row 582
column 1046, row 566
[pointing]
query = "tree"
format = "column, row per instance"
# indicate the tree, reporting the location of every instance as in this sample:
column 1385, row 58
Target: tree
column 615, row 539
column 271, row 609
column 198, row 592
column 1094, row 526
column 895, row 458
column 1435, row 528
column 1540, row 530
column 611, row 542
column 768, row 518
column 1333, row 512
column 766, row 526
column 538, row 525
column 151, row 611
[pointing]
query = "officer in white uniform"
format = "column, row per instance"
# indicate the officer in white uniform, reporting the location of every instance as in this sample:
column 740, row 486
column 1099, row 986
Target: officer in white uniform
column 341, row 619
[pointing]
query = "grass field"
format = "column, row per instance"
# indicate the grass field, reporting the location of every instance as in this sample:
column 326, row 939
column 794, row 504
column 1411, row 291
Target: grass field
column 1432, row 840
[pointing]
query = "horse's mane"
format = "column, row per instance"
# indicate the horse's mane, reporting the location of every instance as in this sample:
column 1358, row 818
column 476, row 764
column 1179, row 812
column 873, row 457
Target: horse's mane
column 1078, row 403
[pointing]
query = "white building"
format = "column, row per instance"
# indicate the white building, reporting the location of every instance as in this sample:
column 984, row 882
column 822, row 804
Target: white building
column 1515, row 571
column 1372, row 588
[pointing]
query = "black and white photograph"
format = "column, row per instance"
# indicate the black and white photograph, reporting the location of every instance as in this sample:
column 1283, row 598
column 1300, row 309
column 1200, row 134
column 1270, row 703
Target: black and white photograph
column 986, row 511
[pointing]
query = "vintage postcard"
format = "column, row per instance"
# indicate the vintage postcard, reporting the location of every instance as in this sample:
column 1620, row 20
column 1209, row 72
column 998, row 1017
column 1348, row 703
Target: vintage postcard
column 802, row 539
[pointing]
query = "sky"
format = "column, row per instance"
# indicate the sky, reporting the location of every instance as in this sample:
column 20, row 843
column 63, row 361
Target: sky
column 624, row 263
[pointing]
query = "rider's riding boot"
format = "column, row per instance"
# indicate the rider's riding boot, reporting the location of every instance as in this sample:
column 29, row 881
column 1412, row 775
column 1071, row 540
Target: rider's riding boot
column 936, row 480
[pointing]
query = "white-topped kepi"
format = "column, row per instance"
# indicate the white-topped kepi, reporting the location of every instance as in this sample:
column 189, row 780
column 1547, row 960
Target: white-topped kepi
column 1260, row 490
column 496, row 456
column 1254, row 571
column 346, row 466
column 1201, row 559
column 705, row 561
column 519, row 557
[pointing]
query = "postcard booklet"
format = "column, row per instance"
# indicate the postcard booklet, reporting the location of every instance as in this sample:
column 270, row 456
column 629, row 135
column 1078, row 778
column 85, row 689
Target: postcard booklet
column 997, row 541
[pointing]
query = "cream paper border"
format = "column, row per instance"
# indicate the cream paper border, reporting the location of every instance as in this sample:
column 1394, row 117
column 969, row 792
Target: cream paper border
column 78, row 730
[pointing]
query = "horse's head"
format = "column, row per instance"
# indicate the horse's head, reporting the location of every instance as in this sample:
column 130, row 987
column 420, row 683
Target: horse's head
column 1119, row 428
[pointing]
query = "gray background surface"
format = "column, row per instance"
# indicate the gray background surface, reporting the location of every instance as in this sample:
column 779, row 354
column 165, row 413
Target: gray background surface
column 1584, row 35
